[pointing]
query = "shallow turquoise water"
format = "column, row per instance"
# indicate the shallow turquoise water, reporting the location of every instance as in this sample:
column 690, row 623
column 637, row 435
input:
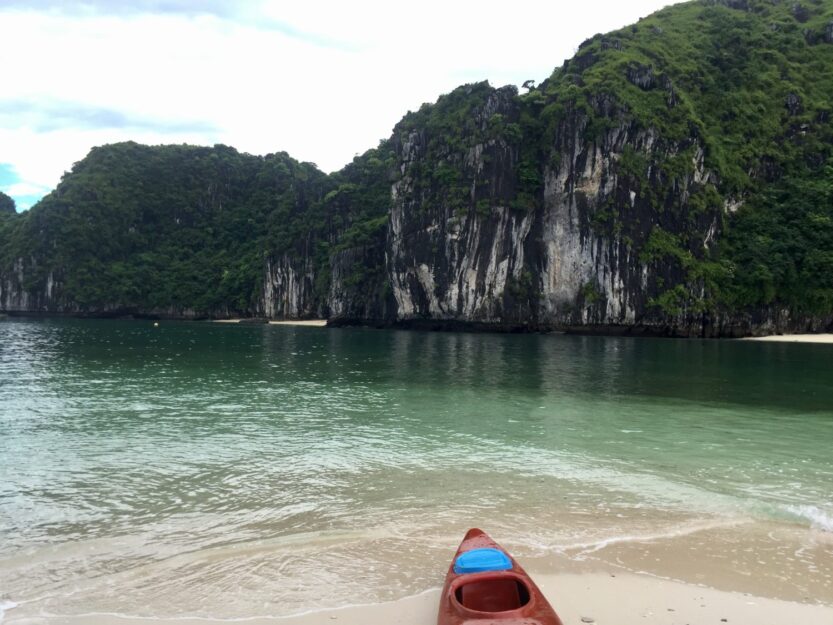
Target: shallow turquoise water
column 215, row 461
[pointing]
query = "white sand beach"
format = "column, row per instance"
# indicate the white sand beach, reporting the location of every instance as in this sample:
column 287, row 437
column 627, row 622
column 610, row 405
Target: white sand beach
column 602, row 598
column 607, row 599
column 794, row 338
column 310, row 323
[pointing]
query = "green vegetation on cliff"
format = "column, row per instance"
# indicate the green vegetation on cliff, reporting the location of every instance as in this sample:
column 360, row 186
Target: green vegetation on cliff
column 779, row 248
column 727, row 198
column 8, row 219
column 175, row 227
column 185, row 228
column 7, row 205
column 752, row 82
column 741, row 88
column 752, row 78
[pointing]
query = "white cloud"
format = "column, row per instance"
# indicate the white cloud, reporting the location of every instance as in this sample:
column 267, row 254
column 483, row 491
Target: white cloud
column 26, row 189
column 322, row 80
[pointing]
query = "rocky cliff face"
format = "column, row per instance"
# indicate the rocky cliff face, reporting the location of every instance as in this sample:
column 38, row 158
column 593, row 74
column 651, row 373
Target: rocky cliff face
column 359, row 286
column 607, row 205
column 459, row 249
column 607, row 244
column 591, row 275
column 453, row 258
column 288, row 289
column 572, row 257
column 292, row 287
column 14, row 297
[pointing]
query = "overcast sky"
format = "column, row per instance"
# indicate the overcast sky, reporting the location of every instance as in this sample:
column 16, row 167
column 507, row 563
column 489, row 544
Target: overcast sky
column 321, row 79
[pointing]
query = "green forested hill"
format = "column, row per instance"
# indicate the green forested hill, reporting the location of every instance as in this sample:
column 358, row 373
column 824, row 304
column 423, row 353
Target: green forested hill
column 753, row 79
column 178, row 228
column 164, row 227
column 704, row 131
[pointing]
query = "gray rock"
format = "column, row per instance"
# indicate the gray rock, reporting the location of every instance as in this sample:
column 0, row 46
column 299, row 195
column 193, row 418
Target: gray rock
column 793, row 104
column 800, row 12
column 641, row 75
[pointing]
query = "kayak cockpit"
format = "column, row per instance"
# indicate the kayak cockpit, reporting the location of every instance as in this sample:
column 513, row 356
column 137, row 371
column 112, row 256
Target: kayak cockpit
column 496, row 594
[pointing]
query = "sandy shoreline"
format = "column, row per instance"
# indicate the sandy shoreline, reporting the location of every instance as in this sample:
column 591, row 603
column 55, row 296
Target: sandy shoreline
column 310, row 323
column 774, row 338
column 606, row 598
column 794, row 338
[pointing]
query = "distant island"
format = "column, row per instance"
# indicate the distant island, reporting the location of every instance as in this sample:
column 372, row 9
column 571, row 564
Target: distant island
column 672, row 178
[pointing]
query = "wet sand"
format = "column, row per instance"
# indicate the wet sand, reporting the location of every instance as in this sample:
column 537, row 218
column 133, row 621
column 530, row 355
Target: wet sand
column 743, row 572
column 603, row 598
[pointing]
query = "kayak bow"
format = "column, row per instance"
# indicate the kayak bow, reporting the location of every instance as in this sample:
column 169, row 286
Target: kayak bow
column 485, row 585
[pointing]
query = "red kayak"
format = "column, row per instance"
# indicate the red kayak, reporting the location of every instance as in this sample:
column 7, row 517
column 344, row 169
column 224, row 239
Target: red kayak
column 486, row 586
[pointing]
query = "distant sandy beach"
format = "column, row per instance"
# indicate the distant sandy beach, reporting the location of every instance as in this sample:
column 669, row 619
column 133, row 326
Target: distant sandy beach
column 777, row 338
column 794, row 338
column 311, row 323
column 603, row 598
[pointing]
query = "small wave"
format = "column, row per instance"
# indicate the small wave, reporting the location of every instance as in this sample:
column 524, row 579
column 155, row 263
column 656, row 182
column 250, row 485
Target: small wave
column 818, row 518
column 583, row 549
column 245, row 619
column 348, row 606
column 4, row 606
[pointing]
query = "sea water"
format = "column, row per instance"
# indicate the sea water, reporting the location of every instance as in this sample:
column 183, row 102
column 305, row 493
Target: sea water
column 228, row 471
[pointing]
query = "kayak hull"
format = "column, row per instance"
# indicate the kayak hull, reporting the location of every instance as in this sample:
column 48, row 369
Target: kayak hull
column 492, row 597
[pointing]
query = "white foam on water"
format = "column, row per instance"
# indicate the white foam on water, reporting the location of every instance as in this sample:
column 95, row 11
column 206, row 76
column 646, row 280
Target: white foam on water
column 5, row 606
column 586, row 548
column 818, row 518
column 348, row 606
column 243, row 619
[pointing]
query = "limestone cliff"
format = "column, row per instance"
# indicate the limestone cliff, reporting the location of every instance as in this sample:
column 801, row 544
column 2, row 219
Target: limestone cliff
column 570, row 257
